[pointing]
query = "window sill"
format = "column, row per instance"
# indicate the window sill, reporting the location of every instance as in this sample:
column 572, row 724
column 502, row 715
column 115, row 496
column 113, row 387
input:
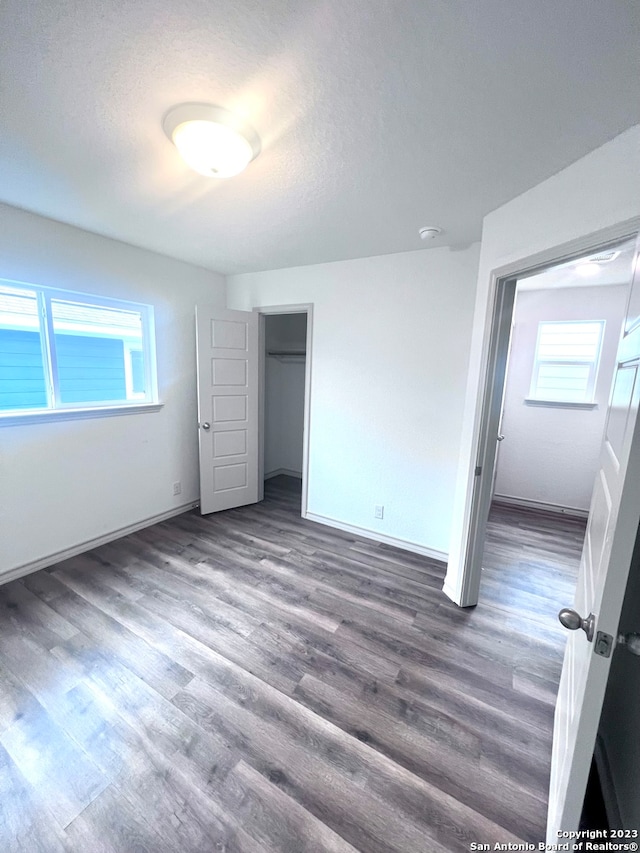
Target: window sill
column 558, row 404
column 45, row 415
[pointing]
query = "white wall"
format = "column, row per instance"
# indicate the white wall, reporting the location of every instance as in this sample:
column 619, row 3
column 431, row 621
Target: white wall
column 389, row 361
column 284, row 397
column 550, row 454
column 284, row 417
column 594, row 196
column 65, row 483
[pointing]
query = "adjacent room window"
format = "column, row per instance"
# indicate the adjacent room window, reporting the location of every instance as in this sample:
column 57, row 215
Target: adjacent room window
column 63, row 350
column 566, row 361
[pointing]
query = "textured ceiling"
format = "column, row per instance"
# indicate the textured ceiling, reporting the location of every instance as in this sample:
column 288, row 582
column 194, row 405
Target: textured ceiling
column 376, row 117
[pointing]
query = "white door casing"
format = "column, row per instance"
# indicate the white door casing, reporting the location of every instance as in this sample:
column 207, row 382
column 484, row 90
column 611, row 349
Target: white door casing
column 227, row 370
column 611, row 534
column 293, row 308
column 472, row 549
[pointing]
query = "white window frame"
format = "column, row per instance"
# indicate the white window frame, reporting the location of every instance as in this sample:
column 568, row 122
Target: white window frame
column 128, row 372
column 536, row 397
column 56, row 409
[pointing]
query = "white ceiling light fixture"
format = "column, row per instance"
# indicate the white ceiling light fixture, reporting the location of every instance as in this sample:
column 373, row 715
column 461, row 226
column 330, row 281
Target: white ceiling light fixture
column 591, row 266
column 211, row 140
column 588, row 269
column 429, row 232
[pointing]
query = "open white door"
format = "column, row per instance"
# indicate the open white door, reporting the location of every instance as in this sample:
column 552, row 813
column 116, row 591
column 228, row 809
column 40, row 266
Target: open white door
column 611, row 534
column 227, row 364
column 466, row 586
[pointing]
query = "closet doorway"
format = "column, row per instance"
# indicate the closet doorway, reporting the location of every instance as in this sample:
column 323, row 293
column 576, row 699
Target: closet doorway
column 285, row 349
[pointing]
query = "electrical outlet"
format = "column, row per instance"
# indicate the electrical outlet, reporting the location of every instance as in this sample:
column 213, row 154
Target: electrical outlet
column 177, row 488
column 378, row 511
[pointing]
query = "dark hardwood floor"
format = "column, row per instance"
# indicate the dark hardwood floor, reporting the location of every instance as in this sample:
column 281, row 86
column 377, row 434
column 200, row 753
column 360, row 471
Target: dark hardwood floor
column 253, row 682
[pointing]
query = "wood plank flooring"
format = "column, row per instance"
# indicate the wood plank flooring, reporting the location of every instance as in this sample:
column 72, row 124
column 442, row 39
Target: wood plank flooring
column 253, row 682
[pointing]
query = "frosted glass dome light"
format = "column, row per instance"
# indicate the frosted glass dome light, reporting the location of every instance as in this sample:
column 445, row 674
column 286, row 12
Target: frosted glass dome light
column 588, row 269
column 211, row 140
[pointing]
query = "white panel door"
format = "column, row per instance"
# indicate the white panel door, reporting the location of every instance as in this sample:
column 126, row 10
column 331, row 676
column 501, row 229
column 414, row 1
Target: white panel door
column 610, row 538
column 227, row 363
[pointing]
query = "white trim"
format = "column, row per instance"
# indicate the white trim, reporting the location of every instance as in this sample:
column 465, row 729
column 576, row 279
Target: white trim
column 90, row 544
column 128, row 371
column 611, row 803
column 301, row 308
column 46, row 350
column 450, row 592
column 42, row 415
column 52, row 352
column 558, row 404
column 465, row 588
column 287, row 471
column 561, row 509
column 404, row 544
column 262, row 385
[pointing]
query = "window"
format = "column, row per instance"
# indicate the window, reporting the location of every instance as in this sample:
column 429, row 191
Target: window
column 566, row 361
column 62, row 350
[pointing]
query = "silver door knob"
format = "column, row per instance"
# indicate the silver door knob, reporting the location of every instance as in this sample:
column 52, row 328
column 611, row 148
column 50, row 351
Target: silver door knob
column 573, row 621
column 205, row 425
column 500, row 437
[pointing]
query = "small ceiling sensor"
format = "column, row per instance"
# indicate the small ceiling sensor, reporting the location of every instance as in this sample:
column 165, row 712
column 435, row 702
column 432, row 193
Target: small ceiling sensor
column 429, row 232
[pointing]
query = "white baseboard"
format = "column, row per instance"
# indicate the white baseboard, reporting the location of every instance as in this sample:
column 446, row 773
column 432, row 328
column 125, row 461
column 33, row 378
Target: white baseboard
column 450, row 592
column 405, row 544
column 287, row 471
column 509, row 500
column 89, row 544
column 611, row 805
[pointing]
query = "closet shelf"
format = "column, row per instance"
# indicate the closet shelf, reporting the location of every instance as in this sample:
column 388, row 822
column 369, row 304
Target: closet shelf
column 286, row 354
